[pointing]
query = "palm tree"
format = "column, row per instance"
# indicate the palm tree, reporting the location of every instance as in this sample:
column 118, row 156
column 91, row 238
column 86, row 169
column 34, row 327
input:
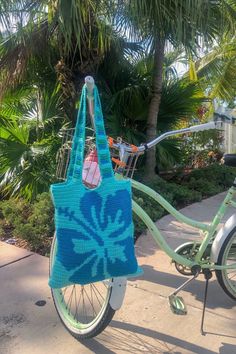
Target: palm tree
column 180, row 22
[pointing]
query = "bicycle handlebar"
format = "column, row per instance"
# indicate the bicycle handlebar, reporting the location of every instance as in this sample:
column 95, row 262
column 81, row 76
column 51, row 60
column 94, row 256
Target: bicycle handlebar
column 194, row 128
column 202, row 127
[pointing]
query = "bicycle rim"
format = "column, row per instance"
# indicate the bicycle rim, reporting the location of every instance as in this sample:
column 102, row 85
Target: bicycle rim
column 228, row 258
column 81, row 307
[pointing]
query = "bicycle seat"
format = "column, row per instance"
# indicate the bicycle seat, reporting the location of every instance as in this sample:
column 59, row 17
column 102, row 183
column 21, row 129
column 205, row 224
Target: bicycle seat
column 229, row 160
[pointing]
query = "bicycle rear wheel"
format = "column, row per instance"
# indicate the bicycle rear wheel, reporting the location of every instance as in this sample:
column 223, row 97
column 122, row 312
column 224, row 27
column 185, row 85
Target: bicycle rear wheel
column 227, row 256
column 84, row 310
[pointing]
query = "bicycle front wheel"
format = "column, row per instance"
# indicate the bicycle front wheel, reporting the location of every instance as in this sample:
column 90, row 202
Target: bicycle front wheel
column 227, row 256
column 84, row 310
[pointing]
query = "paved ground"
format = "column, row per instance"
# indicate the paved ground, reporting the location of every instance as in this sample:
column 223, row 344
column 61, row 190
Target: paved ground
column 145, row 323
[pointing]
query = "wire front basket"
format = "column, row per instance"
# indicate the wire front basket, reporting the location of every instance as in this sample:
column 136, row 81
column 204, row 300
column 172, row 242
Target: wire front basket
column 124, row 162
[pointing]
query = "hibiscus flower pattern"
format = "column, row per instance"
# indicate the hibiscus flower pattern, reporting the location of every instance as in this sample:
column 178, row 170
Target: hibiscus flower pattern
column 102, row 245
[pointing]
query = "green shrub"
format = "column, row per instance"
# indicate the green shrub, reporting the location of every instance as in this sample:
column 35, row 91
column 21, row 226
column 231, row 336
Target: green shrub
column 182, row 195
column 139, row 226
column 175, row 194
column 191, row 188
column 207, row 188
column 32, row 222
column 42, row 216
column 152, row 208
column 210, row 180
column 30, row 234
column 216, row 174
column 14, row 211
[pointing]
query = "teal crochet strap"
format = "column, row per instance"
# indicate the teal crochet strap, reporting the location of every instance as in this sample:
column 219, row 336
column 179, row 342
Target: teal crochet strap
column 77, row 135
column 77, row 153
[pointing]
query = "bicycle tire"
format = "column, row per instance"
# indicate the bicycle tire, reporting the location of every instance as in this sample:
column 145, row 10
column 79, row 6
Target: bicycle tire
column 226, row 255
column 80, row 330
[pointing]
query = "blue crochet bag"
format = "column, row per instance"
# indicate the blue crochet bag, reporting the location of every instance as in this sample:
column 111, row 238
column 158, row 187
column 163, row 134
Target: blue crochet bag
column 94, row 228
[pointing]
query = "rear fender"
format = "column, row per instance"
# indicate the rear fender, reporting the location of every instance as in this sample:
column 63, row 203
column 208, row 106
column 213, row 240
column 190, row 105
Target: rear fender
column 221, row 237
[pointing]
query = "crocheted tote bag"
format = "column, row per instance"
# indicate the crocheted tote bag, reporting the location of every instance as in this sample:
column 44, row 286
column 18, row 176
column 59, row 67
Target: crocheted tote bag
column 94, row 228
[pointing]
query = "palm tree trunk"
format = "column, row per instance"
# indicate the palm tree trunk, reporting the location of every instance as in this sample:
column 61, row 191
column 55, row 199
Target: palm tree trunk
column 154, row 106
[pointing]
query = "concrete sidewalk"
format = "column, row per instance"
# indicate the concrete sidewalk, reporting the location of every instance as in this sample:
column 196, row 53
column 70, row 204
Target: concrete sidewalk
column 144, row 324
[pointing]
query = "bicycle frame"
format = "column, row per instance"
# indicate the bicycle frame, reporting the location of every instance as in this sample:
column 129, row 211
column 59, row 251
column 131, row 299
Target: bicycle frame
column 209, row 230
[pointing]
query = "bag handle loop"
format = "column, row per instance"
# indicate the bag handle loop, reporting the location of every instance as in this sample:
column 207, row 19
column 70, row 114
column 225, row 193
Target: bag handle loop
column 77, row 153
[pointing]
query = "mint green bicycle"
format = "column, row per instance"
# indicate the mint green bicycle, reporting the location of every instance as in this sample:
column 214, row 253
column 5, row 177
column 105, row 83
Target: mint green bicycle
column 86, row 310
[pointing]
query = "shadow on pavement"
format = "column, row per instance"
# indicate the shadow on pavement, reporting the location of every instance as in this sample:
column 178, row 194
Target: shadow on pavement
column 96, row 347
column 196, row 288
column 130, row 341
column 227, row 349
column 147, row 246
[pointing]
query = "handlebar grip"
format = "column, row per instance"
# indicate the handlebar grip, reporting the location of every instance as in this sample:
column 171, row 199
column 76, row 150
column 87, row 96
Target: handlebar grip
column 201, row 127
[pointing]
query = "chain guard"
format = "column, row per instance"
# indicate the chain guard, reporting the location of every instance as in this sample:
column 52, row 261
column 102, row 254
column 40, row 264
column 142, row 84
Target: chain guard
column 189, row 250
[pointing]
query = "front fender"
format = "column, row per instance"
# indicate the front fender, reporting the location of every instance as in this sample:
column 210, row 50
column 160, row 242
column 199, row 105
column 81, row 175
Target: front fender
column 118, row 292
column 221, row 237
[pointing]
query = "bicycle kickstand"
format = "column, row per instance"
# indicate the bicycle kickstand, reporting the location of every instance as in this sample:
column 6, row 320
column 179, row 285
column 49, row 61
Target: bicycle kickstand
column 207, row 274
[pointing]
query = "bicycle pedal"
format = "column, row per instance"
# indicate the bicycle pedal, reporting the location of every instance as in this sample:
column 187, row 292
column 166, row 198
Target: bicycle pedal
column 177, row 305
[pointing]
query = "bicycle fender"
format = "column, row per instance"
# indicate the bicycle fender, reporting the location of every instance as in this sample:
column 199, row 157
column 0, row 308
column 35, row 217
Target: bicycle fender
column 118, row 292
column 221, row 237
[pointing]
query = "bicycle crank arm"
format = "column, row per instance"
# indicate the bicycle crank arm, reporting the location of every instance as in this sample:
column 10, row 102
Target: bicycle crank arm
column 177, row 303
column 186, row 283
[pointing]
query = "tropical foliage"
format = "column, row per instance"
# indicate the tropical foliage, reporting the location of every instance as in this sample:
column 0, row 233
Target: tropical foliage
column 29, row 141
column 217, row 69
column 47, row 47
column 191, row 24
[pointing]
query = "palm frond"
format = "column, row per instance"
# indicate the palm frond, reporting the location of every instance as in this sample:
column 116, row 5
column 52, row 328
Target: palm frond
column 180, row 101
column 168, row 153
column 190, row 23
column 218, row 69
column 15, row 54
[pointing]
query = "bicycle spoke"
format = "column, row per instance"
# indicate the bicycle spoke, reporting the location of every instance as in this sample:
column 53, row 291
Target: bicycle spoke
column 99, row 292
column 106, row 283
column 91, row 293
column 71, row 298
column 90, row 302
column 84, row 307
column 229, row 271
column 64, row 290
column 232, row 276
column 96, row 295
column 76, row 308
